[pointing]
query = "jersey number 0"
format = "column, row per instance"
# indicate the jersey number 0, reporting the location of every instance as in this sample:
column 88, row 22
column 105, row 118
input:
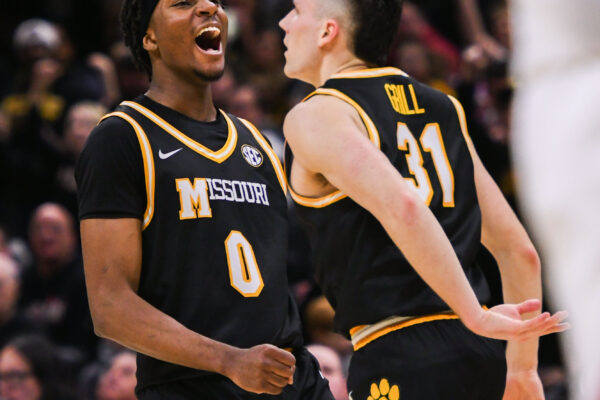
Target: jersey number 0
column 244, row 274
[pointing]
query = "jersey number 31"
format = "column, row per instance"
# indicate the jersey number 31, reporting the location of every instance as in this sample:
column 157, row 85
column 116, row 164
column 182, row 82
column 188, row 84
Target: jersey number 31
column 431, row 142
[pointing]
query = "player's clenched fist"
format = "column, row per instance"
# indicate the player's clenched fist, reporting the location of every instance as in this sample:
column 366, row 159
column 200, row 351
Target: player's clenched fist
column 261, row 369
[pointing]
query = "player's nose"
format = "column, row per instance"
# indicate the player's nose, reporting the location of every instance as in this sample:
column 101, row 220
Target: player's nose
column 207, row 7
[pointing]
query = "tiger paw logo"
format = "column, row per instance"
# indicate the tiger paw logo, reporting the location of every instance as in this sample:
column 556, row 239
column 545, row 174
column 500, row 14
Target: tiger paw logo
column 383, row 391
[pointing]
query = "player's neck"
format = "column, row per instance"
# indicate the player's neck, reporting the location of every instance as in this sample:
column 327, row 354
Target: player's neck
column 339, row 63
column 193, row 100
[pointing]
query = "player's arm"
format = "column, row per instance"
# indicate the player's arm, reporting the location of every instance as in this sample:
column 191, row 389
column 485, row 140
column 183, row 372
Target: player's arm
column 328, row 138
column 112, row 251
column 520, row 271
column 112, row 201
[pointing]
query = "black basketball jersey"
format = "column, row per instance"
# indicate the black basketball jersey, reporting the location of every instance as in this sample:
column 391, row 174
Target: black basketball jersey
column 423, row 134
column 215, row 231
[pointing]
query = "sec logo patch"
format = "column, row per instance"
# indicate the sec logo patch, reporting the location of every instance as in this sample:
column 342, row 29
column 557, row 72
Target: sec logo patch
column 252, row 155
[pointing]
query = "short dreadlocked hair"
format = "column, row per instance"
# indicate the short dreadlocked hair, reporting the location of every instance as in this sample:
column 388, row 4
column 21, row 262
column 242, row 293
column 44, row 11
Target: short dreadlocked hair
column 374, row 28
column 132, row 29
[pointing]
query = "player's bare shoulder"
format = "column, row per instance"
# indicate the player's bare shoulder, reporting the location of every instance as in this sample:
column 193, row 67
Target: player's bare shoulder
column 318, row 116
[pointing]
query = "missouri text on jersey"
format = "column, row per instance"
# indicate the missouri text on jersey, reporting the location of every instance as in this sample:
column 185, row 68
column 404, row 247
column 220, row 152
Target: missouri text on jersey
column 195, row 198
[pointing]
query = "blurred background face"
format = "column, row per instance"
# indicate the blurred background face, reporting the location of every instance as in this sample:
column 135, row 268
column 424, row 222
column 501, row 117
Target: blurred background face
column 331, row 368
column 81, row 120
column 9, row 288
column 414, row 60
column 118, row 383
column 52, row 234
column 245, row 104
column 17, row 381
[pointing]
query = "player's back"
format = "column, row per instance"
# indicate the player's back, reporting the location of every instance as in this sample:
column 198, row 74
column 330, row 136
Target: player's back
column 422, row 133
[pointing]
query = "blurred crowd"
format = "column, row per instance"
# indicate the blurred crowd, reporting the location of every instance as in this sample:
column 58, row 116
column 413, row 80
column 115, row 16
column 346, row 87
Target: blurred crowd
column 63, row 66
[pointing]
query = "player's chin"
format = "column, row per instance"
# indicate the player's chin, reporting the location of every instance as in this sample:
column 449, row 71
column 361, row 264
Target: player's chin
column 289, row 71
column 210, row 73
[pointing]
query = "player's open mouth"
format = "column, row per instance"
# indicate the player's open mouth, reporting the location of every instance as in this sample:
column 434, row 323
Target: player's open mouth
column 209, row 40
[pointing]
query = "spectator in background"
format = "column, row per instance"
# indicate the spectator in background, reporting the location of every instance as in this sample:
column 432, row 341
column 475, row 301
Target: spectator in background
column 29, row 370
column 317, row 315
column 477, row 34
column 265, row 73
column 245, row 103
column 106, row 67
column 81, row 119
column 118, row 383
column 130, row 79
column 53, row 289
column 414, row 58
column 331, row 368
column 223, row 89
column 50, row 79
column 12, row 323
column 414, row 26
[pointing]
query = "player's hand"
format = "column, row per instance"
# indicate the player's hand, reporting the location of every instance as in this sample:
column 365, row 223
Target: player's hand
column 261, row 369
column 523, row 385
column 504, row 322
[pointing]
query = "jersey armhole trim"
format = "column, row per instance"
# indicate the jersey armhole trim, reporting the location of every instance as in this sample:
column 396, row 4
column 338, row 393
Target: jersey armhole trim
column 316, row 202
column 148, row 159
column 270, row 153
column 218, row 156
column 460, row 111
column 324, row 201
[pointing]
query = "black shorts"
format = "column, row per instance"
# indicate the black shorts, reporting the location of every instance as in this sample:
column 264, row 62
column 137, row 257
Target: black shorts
column 439, row 360
column 309, row 384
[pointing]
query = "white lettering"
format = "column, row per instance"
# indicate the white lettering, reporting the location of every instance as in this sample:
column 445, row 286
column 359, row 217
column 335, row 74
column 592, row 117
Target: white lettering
column 193, row 200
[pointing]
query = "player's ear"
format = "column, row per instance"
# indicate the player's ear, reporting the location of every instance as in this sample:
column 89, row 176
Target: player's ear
column 329, row 32
column 149, row 40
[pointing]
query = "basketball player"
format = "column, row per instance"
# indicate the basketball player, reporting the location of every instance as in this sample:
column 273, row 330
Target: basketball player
column 372, row 149
column 556, row 147
column 184, row 226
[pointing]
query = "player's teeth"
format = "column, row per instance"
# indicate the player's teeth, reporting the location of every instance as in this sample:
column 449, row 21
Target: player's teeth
column 211, row 31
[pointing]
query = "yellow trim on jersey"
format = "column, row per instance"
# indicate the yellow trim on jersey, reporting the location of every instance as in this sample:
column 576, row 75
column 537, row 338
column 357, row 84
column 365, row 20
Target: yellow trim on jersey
column 270, row 153
column 149, row 174
column 323, row 201
column 217, row 156
column 319, row 202
column 365, row 334
column 463, row 120
column 369, row 73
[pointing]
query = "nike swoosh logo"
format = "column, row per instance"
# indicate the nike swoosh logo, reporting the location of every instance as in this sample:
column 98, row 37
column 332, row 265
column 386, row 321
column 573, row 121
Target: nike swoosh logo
column 164, row 156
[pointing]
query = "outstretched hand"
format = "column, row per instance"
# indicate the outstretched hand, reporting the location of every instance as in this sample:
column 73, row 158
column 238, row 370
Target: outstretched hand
column 504, row 322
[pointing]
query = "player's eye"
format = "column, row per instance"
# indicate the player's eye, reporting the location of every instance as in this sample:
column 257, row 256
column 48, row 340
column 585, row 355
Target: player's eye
column 181, row 3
